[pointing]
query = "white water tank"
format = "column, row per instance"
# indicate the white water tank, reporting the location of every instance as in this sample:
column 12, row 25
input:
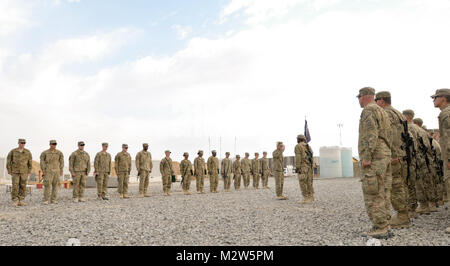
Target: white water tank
column 347, row 162
column 330, row 162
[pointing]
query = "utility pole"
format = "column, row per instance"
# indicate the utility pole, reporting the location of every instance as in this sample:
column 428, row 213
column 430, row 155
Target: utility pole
column 340, row 126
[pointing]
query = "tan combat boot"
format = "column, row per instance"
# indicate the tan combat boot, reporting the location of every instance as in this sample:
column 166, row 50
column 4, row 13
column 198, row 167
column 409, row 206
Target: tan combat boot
column 400, row 220
column 54, row 202
column 46, row 202
column 310, row 199
column 146, row 195
column 432, row 206
column 447, row 231
column 15, row 203
column 125, row 196
column 141, row 195
column 21, row 203
column 82, row 200
column 412, row 214
column 303, row 201
column 75, row 200
column 441, row 203
column 379, row 233
column 423, row 208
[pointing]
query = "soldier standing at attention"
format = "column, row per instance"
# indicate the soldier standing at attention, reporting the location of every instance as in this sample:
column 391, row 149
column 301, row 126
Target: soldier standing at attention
column 18, row 165
column 165, row 167
column 200, row 172
column 441, row 100
column 278, row 169
column 256, row 171
column 303, row 167
column 397, row 171
column 102, row 170
column 79, row 167
column 186, row 173
column 375, row 153
column 52, row 165
column 265, row 170
column 226, row 169
column 144, row 167
column 237, row 173
column 213, row 171
column 246, row 167
column 122, row 163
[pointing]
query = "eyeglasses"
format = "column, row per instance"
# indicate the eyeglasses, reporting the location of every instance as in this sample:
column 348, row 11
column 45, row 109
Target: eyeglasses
column 23, row 143
column 53, row 144
column 82, row 145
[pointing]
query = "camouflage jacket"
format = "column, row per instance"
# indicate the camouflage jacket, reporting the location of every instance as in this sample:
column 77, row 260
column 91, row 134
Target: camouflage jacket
column 265, row 170
column 213, row 165
column 256, row 167
column 237, row 171
column 246, row 166
column 79, row 161
column 199, row 166
column 301, row 158
column 122, row 162
column 19, row 162
column 226, row 167
column 278, row 161
column 144, row 161
column 185, row 168
column 52, row 161
column 444, row 130
column 102, row 162
column 165, row 167
column 397, row 119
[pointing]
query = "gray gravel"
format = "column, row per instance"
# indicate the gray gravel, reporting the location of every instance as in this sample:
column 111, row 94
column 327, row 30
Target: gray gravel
column 246, row 217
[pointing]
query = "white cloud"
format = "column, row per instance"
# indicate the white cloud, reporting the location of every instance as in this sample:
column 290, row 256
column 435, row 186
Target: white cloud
column 14, row 15
column 182, row 31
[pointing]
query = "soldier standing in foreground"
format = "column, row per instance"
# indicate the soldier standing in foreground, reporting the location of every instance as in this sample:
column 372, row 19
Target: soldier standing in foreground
column 122, row 164
column 213, row 171
column 144, row 167
column 226, row 169
column 265, row 170
column 200, row 172
column 52, row 165
column 165, row 167
column 102, row 170
column 278, row 169
column 79, row 167
column 441, row 100
column 246, row 167
column 303, row 167
column 186, row 173
column 256, row 171
column 397, row 171
column 375, row 153
column 237, row 173
column 18, row 164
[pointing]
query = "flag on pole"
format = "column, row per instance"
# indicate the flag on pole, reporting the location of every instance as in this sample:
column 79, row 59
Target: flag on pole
column 307, row 135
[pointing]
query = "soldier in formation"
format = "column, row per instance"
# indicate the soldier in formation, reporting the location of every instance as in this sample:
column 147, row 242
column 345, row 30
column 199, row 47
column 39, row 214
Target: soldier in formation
column 200, row 171
column 278, row 169
column 237, row 173
column 265, row 170
column 52, row 166
column 256, row 171
column 144, row 166
column 213, row 171
column 102, row 170
column 226, row 170
column 246, row 167
column 166, row 169
column 18, row 165
column 122, row 164
column 304, row 169
column 79, row 167
column 186, row 173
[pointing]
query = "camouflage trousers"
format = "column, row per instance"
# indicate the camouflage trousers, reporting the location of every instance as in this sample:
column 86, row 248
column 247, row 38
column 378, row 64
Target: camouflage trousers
column 102, row 184
column 279, row 182
column 387, row 190
column 265, row 179
column 424, row 184
column 226, row 182
column 411, row 185
column 435, row 187
column 51, row 184
column 19, row 186
column 143, row 181
column 79, row 184
column 123, row 178
column 237, row 181
column 246, row 179
column 399, row 193
column 374, row 190
column 200, row 180
column 187, row 182
column 256, row 178
column 213, row 181
column 167, row 182
column 305, row 179
column 446, row 181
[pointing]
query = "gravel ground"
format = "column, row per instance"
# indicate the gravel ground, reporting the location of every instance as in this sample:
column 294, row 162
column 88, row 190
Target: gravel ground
column 246, row 217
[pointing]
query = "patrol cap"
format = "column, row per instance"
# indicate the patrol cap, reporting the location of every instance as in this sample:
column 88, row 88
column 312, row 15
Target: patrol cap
column 418, row 121
column 81, row 143
column 383, row 94
column 145, row 144
column 425, row 127
column 301, row 136
column 280, row 143
column 167, row 151
column 247, row 154
column 366, row 91
column 256, row 153
column 22, row 140
column 441, row 92
column 213, row 151
column 238, row 156
column 53, row 142
column 408, row 112
column 185, row 154
column 124, row 145
column 264, row 152
column 227, row 153
column 105, row 144
column 200, row 151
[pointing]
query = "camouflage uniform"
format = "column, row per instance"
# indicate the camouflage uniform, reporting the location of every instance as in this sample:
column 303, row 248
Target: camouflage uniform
column 265, row 172
column 374, row 147
column 226, row 170
column 165, row 167
column 52, row 165
column 278, row 171
column 122, row 164
column 199, row 172
column 102, row 166
column 256, row 172
column 246, row 167
column 18, row 165
column 213, row 171
column 304, row 170
column 144, row 167
column 237, row 173
column 79, row 167
column 186, row 174
column 440, row 185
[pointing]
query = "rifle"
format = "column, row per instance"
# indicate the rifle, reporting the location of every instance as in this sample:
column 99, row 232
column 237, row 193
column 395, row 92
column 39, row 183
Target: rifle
column 424, row 151
column 438, row 163
column 408, row 147
column 309, row 155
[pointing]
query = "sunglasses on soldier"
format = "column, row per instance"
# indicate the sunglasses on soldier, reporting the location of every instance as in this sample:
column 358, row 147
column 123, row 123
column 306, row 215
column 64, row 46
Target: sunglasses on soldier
column 23, row 143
